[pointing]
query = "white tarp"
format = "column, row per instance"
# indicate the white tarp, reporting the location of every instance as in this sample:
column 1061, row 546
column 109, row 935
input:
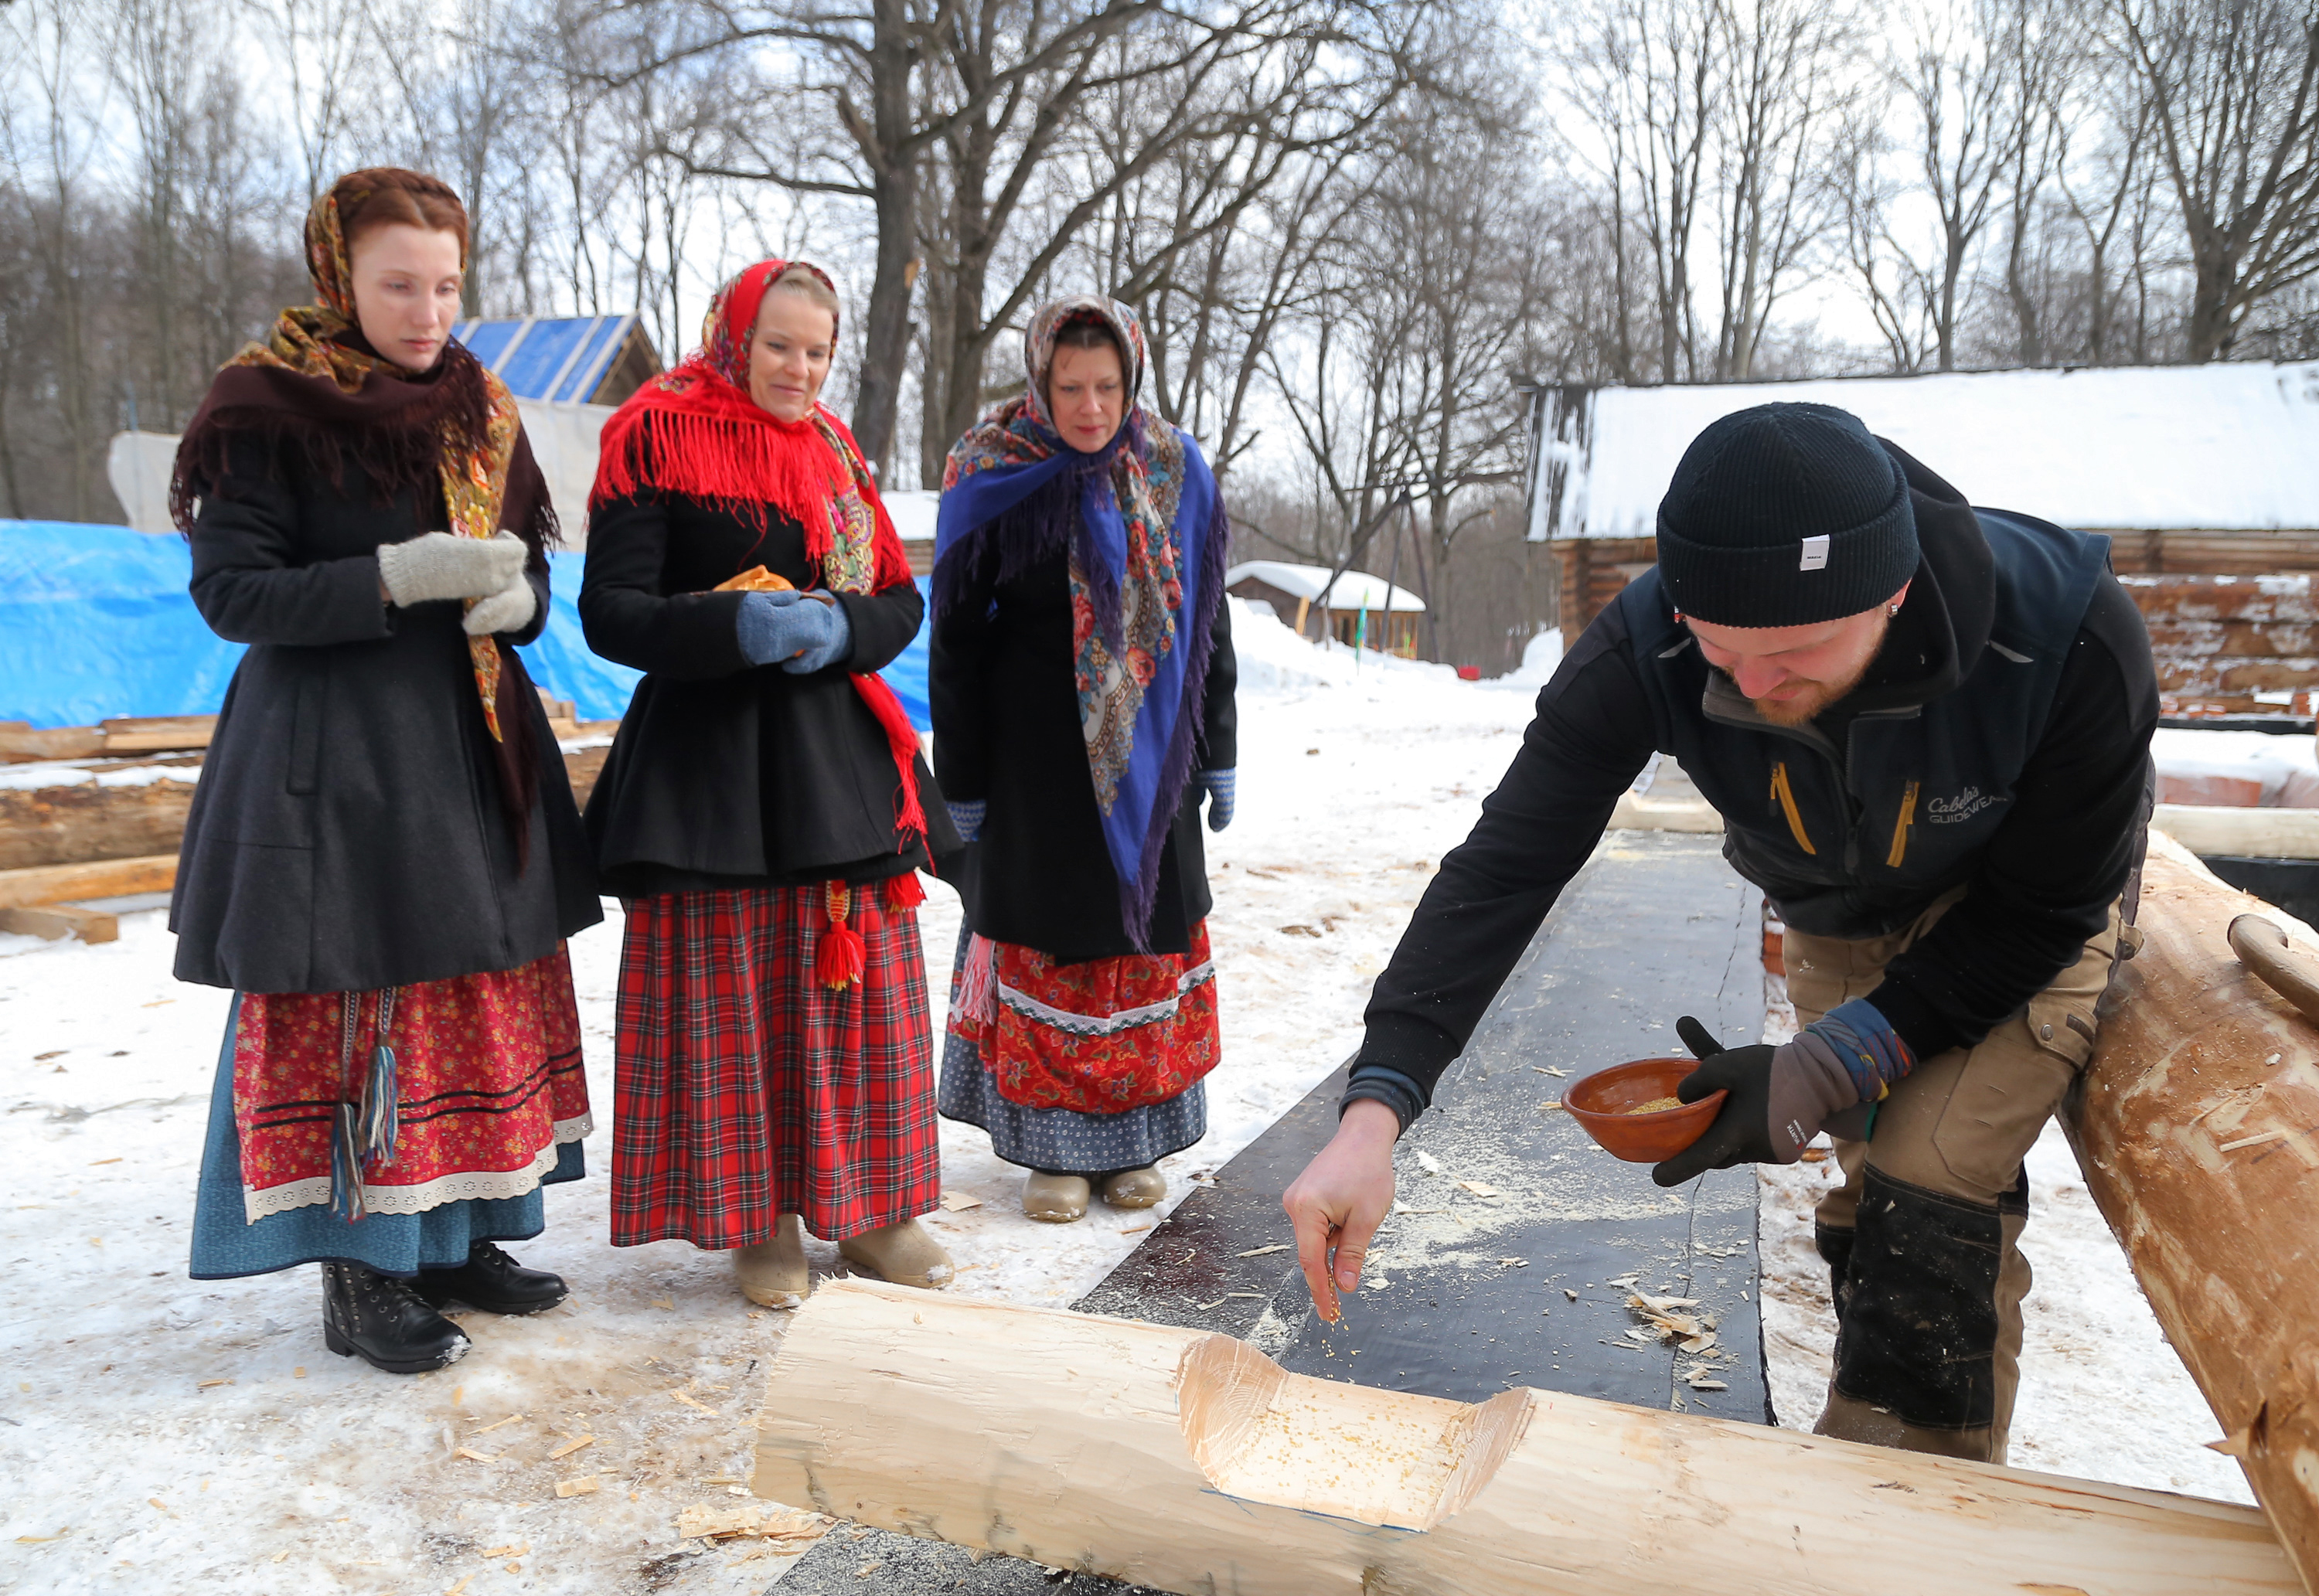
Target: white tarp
column 563, row 440
column 2222, row 447
column 1354, row 590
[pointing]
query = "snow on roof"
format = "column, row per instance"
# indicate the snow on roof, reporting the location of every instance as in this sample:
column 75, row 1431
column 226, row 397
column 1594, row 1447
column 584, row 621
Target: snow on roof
column 1355, row 590
column 2221, row 447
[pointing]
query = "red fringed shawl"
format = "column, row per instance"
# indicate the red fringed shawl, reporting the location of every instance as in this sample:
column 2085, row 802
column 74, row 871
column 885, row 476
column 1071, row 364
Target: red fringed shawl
column 696, row 432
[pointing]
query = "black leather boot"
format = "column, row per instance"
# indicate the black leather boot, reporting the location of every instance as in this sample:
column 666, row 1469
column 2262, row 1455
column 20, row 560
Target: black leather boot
column 382, row 1319
column 493, row 1282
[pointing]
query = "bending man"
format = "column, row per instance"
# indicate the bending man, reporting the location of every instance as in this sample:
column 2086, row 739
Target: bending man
column 1927, row 728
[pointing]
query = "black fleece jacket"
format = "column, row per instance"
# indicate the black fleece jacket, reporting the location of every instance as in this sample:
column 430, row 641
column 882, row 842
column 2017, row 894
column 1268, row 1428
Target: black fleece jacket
column 2038, row 890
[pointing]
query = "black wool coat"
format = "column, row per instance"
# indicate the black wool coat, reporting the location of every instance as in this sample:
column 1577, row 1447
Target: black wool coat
column 725, row 773
column 348, row 831
column 1007, row 730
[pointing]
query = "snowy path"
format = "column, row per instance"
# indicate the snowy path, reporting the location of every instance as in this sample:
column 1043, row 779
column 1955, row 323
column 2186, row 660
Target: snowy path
column 163, row 1433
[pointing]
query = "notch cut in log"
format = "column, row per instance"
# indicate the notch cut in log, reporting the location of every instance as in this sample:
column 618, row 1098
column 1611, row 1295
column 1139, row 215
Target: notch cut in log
column 1189, row 1462
column 2196, row 1125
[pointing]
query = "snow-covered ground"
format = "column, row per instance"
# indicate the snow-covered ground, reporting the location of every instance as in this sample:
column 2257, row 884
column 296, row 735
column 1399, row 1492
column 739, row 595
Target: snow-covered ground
column 160, row 1433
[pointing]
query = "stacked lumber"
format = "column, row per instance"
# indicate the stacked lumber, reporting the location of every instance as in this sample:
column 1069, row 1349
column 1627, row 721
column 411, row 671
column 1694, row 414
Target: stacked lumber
column 21, row 743
column 55, row 900
column 1189, row 1462
column 2219, row 640
column 2197, row 1127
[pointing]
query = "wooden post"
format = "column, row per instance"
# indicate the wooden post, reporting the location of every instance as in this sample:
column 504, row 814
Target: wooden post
column 1190, row 1462
column 2194, row 1125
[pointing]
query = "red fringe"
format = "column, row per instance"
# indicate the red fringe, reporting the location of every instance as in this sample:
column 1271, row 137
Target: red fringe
column 902, row 739
column 840, row 962
column 702, row 438
column 903, row 893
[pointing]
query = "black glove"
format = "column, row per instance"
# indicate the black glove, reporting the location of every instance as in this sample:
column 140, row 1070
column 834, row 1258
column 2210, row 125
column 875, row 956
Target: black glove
column 1780, row 1098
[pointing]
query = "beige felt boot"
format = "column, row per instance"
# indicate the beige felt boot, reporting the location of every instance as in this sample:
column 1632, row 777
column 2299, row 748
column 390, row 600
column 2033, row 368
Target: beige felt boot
column 902, row 1254
column 1055, row 1199
column 1134, row 1188
column 774, row 1274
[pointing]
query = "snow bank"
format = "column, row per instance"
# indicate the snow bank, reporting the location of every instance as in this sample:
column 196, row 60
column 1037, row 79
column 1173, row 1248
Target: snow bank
column 2235, row 768
column 1274, row 660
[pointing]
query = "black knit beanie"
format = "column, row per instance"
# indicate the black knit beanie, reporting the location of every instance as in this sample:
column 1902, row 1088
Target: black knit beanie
column 1783, row 515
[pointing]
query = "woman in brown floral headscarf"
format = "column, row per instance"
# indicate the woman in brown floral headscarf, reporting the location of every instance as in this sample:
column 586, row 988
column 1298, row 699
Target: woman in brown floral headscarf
column 384, row 859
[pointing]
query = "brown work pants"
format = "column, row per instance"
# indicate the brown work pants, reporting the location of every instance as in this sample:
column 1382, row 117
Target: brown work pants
column 1921, row 1236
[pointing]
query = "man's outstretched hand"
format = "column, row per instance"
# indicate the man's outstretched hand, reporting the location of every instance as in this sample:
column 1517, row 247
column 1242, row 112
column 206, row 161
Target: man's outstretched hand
column 1336, row 1206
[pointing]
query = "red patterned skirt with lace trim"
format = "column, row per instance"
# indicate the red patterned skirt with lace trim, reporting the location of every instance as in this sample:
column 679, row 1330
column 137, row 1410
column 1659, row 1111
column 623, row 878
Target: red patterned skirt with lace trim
column 1101, row 1036
column 488, row 1080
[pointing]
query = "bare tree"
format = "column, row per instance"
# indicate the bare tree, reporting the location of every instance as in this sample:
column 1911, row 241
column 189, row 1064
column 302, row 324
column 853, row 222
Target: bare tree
column 2232, row 89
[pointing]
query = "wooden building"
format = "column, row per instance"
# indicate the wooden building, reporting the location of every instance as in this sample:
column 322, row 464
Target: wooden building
column 2195, row 473
column 1348, row 606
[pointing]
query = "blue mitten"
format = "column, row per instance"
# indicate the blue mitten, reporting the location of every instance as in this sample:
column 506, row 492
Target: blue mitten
column 770, row 627
column 1220, row 785
column 967, row 815
column 829, row 644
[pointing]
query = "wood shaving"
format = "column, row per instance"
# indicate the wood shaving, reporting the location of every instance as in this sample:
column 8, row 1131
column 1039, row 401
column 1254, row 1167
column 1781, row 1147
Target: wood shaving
column 518, row 1548
column 959, row 1202
column 1132, row 1231
column 2260, row 1136
column 1428, row 1162
column 667, row 1302
column 691, row 1403
column 583, row 1485
column 570, row 1447
column 458, row 1590
column 1480, row 1188
column 205, row 1384
column 767, row 1523
column 1261, row 1251
column 470, row 1453
column 1706, row 1385
column 511, row 1418
column 1203, row 1307
column 1551, row 1106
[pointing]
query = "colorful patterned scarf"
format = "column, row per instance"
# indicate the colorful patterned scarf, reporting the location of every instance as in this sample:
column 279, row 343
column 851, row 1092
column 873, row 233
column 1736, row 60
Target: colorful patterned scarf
column 1145, row 533
column 310, row 340
column 313, row 381
column 696, row 432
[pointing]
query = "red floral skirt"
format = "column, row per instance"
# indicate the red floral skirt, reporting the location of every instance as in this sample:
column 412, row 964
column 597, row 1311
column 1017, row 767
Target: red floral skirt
column 1102, row 1036
column 748, row 1088
column 488, row 1082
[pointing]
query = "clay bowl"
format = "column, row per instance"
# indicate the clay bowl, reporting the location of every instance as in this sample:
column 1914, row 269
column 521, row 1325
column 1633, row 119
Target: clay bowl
column 1599, row 1103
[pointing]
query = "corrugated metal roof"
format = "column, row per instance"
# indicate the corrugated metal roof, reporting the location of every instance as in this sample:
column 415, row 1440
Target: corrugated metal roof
column 552, row 357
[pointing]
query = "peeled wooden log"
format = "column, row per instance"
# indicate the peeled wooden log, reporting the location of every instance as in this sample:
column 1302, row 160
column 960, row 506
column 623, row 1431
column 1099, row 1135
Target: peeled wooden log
column 1192, row 1463
column 2197, row 1127
column 70, row 883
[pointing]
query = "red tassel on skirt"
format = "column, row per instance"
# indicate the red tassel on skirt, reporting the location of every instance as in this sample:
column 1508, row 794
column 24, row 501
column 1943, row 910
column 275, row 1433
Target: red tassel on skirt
column 747, row 1087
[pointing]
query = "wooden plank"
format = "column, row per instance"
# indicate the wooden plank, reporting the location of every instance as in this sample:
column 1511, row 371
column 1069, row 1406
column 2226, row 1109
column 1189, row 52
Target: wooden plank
column 157, row 734
column 2243, row 639
column 71, row 742
column 2258, row 834
column 57, row 921
column 87, row 822
column 2194, row 1125
column 2280, row 597
column 1188, row 1462
column 69, row 883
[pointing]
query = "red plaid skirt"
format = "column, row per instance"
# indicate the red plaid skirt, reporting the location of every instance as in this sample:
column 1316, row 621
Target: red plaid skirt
column 747, row 1088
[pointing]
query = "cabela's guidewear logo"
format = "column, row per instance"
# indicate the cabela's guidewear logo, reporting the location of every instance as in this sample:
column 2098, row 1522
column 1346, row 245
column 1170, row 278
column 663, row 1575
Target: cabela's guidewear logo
column 1949, row 811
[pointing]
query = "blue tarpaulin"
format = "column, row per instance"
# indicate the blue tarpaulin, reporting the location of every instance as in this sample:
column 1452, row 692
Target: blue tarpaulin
column 95, row 623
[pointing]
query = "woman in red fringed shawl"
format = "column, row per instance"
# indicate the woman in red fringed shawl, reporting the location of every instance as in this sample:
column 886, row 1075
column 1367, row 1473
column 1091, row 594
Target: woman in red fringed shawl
column 1082, row 675
column 383, row 860
column 763, row 811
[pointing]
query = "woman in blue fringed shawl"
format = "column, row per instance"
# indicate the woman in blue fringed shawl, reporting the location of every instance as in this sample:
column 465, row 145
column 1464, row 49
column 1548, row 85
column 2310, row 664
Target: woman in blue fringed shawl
column 1082, row 686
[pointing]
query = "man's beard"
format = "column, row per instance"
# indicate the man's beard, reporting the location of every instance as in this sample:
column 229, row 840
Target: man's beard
column 1806, row 707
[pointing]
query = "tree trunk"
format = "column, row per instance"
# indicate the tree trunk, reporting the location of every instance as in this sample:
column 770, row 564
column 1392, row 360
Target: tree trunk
column 894, row 186
column 2193, row 1125
column 1190, row 1462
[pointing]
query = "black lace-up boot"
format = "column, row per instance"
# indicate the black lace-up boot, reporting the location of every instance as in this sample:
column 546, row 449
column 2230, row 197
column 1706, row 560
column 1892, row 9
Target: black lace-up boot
column 382, row 1319
column 493, row 1282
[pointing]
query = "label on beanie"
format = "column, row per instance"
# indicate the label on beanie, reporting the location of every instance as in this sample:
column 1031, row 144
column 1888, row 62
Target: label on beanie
column 1815, row 554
